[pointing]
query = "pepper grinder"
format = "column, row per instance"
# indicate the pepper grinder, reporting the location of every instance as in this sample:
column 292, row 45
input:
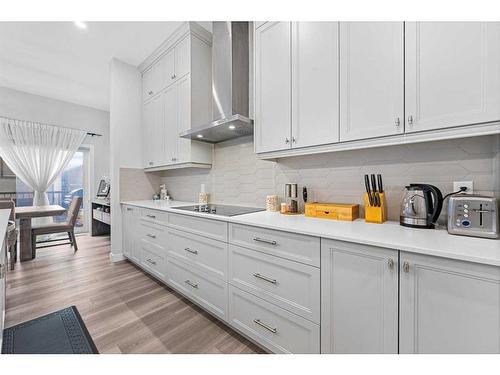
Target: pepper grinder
column 291, row 197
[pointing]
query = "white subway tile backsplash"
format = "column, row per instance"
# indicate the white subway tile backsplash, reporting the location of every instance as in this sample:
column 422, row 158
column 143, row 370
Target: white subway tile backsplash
column 238, row 176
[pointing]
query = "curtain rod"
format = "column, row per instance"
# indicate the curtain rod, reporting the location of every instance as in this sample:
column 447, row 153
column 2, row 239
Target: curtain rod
column 89, row 133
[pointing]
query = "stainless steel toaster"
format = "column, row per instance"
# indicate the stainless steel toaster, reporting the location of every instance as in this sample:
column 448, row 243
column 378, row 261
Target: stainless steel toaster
column 473, row 215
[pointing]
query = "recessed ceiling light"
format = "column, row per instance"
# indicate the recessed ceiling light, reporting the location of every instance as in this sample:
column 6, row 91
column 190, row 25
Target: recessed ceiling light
column 200, row 135
column 80, row 24
column 232, row 127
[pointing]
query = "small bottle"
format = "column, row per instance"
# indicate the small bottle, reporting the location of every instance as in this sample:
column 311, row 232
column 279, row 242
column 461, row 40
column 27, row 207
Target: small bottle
column 203, row 196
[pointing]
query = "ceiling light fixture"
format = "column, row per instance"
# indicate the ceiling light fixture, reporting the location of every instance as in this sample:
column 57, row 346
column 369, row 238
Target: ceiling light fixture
column 80, row 24
column 200, row 135
column 232, row 127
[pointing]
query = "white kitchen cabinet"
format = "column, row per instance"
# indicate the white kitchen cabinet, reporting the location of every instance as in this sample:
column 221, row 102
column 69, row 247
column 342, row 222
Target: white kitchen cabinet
column 359, row 298
column 448, row 306
column 178, row 75
column 371, row 79
column 130, row 226
column 153, row 141
column 315, row 83
column 452, row 74
column 273, row 86
column 170, row 120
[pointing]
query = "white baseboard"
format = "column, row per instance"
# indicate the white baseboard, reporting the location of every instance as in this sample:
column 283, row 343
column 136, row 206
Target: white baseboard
column 116, row 257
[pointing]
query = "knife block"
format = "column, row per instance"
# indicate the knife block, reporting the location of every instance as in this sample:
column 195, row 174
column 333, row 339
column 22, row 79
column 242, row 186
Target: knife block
column 375, row 214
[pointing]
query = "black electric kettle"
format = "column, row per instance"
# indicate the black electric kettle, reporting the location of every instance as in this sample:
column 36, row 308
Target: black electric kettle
column 421, row 206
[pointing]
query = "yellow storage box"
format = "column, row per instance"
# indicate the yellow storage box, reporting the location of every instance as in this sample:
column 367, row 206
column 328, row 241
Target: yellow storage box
column 336, row 211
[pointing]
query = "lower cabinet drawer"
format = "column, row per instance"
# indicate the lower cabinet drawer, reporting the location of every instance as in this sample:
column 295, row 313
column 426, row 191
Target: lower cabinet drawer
column 274, row 328
column 153, row 258
column 290, row 285
column 208, row 291
column 154, row 216
column 204, row 253
column 206, row 227
column 152, row 232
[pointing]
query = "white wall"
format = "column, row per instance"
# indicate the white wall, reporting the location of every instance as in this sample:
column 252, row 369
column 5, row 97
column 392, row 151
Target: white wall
column 24, row 106
column 126, row 135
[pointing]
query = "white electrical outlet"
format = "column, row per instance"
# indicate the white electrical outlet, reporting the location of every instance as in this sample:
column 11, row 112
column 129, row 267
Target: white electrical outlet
column 468, row 184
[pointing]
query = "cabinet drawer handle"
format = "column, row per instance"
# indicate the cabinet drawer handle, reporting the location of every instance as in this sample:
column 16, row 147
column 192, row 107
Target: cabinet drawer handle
column 397, row 122
column 188, row 282
column 410, row 120
column 151, row 235
column 390, row 263
column 406, row 267
column 151, row 216
column 195, row 252
column 287, row 141
column 151, row 261
column 265, row 278
column 270, row 242
column 269, row 328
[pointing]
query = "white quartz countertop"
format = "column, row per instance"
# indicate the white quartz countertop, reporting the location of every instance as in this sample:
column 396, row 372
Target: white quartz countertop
column 389, row 235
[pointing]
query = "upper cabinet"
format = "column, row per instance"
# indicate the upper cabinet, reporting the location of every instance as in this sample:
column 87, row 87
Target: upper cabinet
column 452, row 74
column 328, row 86
column 296, row 85
column 315, row 83
column 177, row 96
column 273, row 86
column 371, row 79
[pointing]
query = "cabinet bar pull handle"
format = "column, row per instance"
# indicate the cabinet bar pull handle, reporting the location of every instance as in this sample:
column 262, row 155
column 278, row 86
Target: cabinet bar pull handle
column 151, row 216
column 270, row 242
column 294, row 140
column 151, row 261
column 406, row 266
column 151, row 235
column 287, row 141
column 188, row 282
column 265, row 278
column 390, row 263
column 397, row 122
column 269, row 328
column 410, row 120
column 191, row 251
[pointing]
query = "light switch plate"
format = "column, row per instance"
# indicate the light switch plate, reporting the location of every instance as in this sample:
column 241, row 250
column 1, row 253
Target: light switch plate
column 469, row 184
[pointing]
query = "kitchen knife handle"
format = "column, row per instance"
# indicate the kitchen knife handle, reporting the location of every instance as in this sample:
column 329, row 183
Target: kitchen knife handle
column 380, row 186
column 368, row 191
column 376, row 199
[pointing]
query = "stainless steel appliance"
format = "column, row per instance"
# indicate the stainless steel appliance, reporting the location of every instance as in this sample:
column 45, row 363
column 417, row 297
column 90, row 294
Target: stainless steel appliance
column 230, row 80
column 421, row 206
column 473, row 215
column 220, row 209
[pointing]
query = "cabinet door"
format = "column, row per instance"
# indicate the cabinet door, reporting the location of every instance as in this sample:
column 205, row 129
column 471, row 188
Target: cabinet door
column 148, row 133
column 157, row 142
column 448, row 306
column 452, row 74
column 273, row 87
column 315, row 83
column 169, row 67
column 359, row 298
column 147, row 84
column 371, row 79
column 170, row 133
column 183, row 119
column 182, row 64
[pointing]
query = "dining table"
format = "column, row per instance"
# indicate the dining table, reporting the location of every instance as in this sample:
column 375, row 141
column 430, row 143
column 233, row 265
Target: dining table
column 25, row 214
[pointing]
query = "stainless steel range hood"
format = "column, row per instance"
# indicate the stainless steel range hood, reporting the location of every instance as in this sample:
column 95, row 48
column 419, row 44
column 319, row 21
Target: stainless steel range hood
column 230, row 75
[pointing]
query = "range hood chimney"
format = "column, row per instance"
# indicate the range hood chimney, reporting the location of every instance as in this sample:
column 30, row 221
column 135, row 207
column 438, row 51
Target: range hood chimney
column 230, row 79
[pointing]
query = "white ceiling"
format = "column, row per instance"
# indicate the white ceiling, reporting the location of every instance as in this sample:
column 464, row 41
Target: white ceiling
column 60, row 61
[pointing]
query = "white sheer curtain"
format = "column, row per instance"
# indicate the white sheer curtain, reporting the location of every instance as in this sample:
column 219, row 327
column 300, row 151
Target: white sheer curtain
column 37, row 153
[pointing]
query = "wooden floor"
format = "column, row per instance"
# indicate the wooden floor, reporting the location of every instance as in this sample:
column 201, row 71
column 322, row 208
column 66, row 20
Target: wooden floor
column 125, row 310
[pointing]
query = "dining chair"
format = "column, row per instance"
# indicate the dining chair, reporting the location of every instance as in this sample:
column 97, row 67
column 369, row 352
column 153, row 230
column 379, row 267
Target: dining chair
column 67, row 226
column 12, row 231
